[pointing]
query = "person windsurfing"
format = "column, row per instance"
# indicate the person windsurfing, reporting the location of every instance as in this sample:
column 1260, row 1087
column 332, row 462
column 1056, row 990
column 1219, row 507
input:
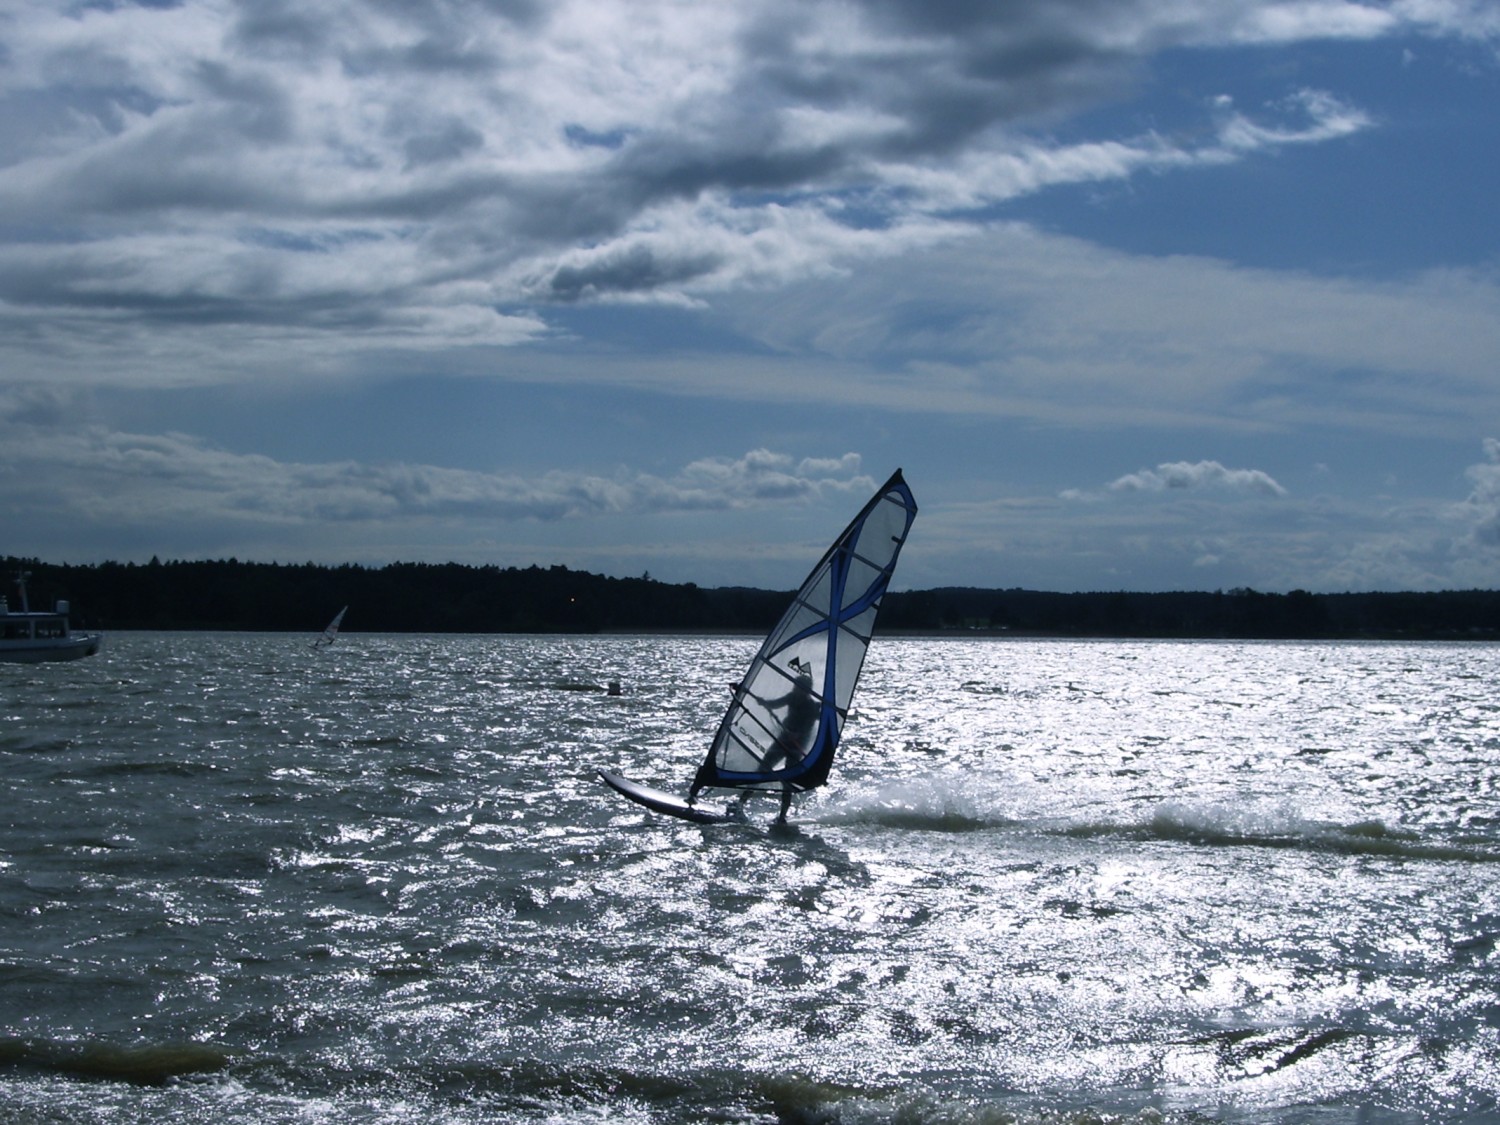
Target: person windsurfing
column 799, row 709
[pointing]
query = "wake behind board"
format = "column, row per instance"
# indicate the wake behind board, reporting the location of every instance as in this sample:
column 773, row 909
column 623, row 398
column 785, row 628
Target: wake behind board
column 658, row 801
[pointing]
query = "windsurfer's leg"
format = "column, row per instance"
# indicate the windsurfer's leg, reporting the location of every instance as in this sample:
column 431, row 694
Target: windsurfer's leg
column 786, row 801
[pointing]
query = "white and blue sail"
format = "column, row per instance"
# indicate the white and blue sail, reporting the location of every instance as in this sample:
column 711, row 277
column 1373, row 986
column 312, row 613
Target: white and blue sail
column 784, row 723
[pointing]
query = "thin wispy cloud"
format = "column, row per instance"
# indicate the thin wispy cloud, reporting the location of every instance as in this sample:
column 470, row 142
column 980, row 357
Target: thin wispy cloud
column 1185, row 475
column 105, row 476
column 1179, row 341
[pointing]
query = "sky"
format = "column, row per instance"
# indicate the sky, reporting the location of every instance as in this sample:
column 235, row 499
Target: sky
column 1140, row 294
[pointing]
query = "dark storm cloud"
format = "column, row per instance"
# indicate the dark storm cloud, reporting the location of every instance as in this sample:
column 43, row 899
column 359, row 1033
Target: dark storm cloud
column 635, row 270
column 449, row 141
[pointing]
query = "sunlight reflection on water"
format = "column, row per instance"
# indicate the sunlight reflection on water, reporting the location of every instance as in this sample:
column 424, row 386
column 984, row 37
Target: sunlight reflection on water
column 1253, row 881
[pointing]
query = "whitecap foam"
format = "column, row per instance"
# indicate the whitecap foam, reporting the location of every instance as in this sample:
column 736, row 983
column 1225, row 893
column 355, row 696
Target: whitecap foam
column 942, row 802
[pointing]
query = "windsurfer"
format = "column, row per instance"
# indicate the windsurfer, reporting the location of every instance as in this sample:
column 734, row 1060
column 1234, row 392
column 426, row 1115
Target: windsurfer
column 799, row 715
column 762, row 744
column 799, row 708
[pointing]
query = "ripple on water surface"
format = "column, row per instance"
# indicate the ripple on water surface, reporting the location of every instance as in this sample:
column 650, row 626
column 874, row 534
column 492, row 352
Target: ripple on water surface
column 380, row 881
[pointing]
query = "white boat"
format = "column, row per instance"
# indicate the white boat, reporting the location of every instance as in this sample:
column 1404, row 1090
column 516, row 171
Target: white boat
column 784, row 722
column 28, row 637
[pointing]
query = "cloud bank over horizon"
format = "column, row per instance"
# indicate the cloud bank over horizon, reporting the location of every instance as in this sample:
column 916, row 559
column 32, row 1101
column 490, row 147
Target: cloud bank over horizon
column 644, row 239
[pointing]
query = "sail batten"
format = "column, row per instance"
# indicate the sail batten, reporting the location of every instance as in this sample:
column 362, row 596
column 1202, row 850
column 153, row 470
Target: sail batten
column 787, row 715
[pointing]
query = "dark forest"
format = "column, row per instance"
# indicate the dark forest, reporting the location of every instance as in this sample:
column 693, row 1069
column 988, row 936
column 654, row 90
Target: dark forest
column 450, row 598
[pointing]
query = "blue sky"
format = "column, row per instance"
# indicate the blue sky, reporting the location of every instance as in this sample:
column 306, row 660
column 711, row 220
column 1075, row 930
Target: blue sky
column 1141, row 295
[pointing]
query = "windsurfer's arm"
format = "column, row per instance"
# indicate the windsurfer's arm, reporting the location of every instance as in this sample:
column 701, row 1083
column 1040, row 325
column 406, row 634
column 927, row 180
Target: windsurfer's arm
column 779, row 701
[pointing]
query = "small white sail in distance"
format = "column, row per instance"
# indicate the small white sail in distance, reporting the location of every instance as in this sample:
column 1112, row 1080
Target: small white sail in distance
column 332, row 630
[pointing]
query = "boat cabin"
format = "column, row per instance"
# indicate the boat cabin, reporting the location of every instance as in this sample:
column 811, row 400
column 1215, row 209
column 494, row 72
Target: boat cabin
column 31, row 637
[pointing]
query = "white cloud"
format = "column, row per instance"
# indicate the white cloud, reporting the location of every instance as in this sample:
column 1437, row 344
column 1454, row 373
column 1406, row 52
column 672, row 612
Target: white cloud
column 1182, row 475
column 1484, row 502
column 1020, row 323
column 1313, row 19
column 218, row 170
column 106, row 477
column 243, row 190
column 1323, row 117
column 1472, row 19
column 1208, row 535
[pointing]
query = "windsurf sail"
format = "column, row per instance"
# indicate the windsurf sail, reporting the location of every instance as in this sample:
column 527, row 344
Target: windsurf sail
column 332, row 629
column 784, row 723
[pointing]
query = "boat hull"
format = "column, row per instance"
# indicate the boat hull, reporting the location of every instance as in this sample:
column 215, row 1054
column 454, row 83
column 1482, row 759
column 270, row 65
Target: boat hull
column 52, row 649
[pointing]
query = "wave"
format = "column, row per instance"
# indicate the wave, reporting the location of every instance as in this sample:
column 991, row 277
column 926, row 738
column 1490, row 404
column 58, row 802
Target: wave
column 533, row 1089
column 958, row 803
column 156, row 766
column 149, row 1064
column 801, row 1101
column 938, row 803
column 34, row 744
column 1235, row 826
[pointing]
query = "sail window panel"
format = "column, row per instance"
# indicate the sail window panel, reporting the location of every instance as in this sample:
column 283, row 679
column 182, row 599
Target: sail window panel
column 736, row 757
column 859, row 628
column 882, row 528
column 817, row 592
column 850, row 653
column 891, row 517
column 769, row 679
column 754, row 718
column 861, row 577
column 797, row 621
column 811, row 653
column 774, row 722
column 792, row 746
column 752, row 749
column 749, row 741
column 788, row 704
column 884, row 533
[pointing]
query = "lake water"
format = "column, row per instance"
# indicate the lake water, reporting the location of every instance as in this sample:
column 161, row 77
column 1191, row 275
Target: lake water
column 1053, row 882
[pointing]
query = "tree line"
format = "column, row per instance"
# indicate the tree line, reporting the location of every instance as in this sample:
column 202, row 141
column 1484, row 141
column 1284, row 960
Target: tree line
column 449, row 597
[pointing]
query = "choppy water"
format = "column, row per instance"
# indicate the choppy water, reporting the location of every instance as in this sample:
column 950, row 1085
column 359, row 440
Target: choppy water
column 241, row 880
